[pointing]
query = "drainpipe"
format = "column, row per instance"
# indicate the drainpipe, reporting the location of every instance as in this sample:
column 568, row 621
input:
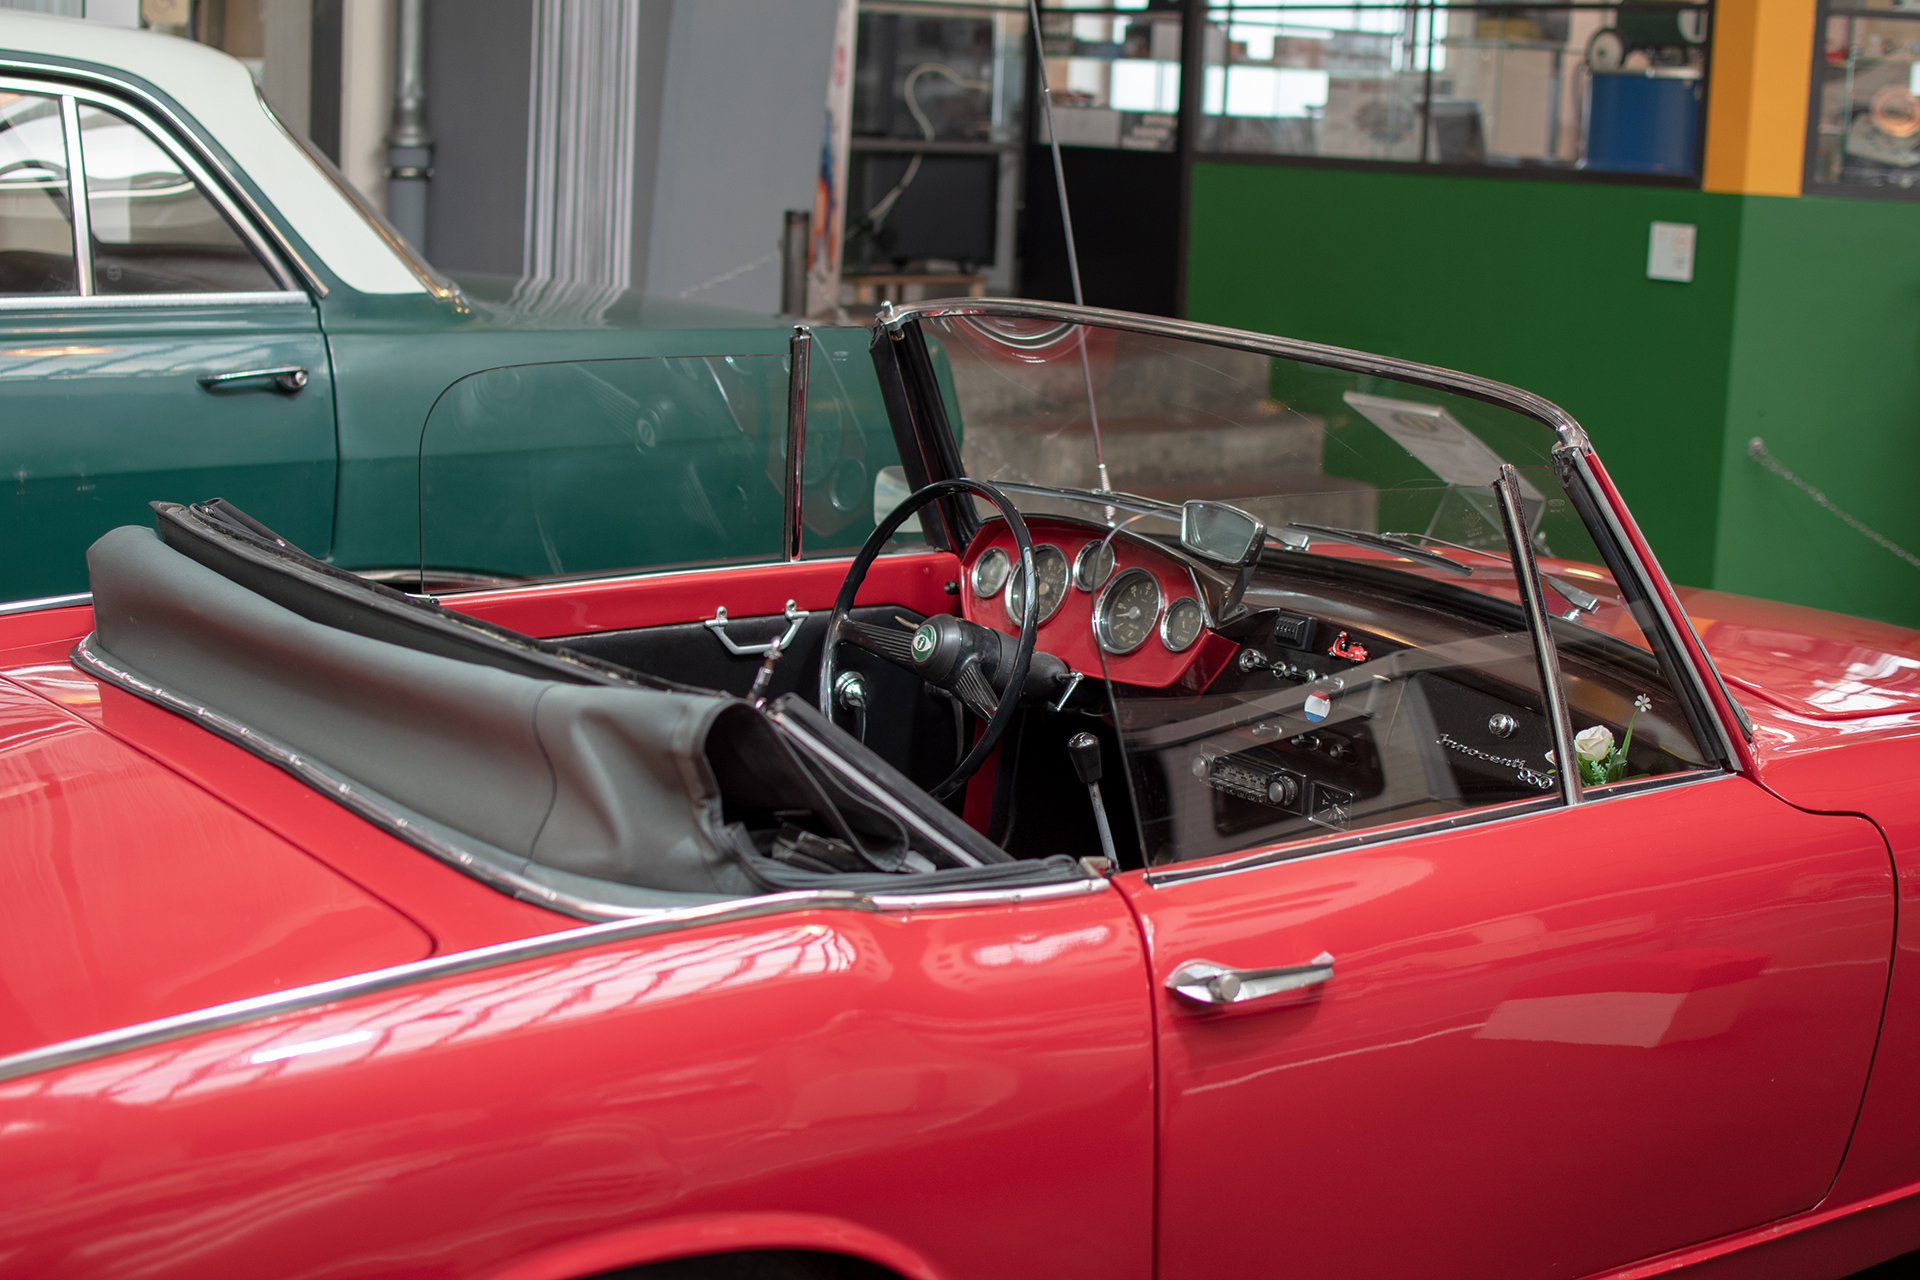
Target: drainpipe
column 409, row 145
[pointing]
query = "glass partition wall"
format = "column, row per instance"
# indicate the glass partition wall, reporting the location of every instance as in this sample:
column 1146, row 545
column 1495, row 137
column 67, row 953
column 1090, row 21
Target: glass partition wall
column 1864, row 135
column 1614, row 89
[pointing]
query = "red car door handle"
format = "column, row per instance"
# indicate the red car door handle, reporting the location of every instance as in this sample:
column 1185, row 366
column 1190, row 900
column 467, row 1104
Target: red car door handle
column 1202, row 982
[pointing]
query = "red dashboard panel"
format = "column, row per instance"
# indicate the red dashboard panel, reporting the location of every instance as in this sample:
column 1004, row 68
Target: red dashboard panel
column 1068, row 634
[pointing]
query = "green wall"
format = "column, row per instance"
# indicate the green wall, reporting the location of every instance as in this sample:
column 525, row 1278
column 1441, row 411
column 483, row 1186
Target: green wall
column 1794, row 305
column 1826, row 369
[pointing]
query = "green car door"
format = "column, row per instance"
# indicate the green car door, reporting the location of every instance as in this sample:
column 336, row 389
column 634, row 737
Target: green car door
column 152, row 345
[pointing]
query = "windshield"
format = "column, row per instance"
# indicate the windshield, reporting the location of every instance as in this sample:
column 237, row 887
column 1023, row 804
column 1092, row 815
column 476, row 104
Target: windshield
column 1374, row 664
column 1047, row 404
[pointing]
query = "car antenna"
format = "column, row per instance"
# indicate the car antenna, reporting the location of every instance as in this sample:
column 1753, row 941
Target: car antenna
column 1073, row 258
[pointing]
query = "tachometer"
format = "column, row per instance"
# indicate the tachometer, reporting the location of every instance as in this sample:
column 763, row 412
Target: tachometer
column 1093, row 565
column 990, row 572
column 1182, row 625
column 1050, row 579
column 1124, row 615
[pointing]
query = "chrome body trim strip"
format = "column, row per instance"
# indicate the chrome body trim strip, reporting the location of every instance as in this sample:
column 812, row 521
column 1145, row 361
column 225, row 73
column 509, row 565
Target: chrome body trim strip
column 665, row 920
column 1162, row 877
column 46, row 602
column 253, row 1008
column 374, row 810
column 226, row 188
column 139, row 301
column 1563, row 424
column 345, row 792
column 79, row 208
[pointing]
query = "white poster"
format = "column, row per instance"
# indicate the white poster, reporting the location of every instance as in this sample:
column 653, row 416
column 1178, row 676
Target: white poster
column 830, row 187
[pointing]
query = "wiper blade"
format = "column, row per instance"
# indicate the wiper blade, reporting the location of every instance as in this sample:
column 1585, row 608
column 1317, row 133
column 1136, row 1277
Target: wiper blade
column 1584, row 601
column 1105, row 497
column 1383, row 542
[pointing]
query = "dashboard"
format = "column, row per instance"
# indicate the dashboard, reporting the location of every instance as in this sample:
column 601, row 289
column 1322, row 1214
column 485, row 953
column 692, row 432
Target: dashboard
column 1122, row 598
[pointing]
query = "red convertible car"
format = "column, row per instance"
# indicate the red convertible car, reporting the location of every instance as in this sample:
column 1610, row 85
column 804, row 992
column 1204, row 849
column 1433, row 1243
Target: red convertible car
column 1249, row 809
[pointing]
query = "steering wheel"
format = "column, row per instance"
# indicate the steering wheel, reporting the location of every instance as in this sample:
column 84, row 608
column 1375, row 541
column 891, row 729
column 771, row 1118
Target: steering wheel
column 961, row 657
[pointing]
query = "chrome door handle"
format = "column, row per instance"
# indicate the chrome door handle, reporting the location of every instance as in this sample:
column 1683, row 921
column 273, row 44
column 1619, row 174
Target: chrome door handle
column 289, row 379
column 1203, row 982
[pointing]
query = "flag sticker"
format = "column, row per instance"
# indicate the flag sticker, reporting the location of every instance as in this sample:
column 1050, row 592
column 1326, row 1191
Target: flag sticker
column 1317, row 707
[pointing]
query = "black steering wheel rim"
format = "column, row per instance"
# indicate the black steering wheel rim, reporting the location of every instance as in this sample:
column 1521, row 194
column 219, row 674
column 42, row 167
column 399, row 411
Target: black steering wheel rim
column 1029, row 626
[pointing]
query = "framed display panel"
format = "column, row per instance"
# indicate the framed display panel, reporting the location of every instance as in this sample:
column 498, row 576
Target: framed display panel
column 1573, row 88
column 1863, row 128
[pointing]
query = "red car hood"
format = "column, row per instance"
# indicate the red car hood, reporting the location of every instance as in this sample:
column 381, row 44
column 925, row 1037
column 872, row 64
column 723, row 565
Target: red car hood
column 1825, row 666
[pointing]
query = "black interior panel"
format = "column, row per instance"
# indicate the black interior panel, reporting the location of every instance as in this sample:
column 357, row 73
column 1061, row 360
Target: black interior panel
column 909, row 727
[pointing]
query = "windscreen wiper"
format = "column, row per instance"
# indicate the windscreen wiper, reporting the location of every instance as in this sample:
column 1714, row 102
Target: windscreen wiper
column 1383, row 542
column 1584, row 601
column 1130, row 501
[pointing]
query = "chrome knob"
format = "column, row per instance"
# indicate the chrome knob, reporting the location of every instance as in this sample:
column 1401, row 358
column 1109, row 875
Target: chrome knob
column 1502, row 725
column 1282, row 789
column 1224, row 987
column 1252, row 660
column 850, row 691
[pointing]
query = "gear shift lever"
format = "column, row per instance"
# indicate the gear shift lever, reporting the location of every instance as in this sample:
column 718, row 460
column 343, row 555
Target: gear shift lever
column 1084, row 750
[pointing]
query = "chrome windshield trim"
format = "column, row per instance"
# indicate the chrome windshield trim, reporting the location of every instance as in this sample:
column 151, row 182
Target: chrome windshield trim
column 45, row 602
column 136, row 301
column 1582, row 474
column 1180, row 873
column 60, row 78
column 1563, row 424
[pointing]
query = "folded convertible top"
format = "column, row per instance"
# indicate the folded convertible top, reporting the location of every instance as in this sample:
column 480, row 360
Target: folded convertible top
column 564, row 780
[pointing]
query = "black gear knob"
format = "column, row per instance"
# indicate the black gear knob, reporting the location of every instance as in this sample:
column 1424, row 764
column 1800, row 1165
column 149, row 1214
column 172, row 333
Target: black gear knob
column 1084, row 750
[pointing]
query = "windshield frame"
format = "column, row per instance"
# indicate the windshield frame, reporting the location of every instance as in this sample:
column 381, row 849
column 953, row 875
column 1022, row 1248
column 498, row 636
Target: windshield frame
column 926, row 437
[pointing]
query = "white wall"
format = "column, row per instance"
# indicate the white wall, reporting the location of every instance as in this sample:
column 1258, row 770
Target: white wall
column 366, row 94
column 741, row 114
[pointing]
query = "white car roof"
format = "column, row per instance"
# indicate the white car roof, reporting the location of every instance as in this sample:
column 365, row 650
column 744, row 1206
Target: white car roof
column 219, row 94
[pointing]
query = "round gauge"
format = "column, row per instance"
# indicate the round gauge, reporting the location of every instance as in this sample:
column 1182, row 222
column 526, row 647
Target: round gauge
column 1050, row 574
column 990, row 572
column 1124, row 615
column 1182, row 625
column 1094, row 565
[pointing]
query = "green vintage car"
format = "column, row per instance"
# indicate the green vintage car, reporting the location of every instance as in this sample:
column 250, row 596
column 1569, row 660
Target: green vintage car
column 194, row 302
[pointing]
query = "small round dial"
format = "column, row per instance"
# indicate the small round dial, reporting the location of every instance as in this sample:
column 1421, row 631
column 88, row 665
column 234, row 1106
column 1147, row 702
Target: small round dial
column 1093, row 565
column 1182, row 625
column 1050, row 578
column 1124, row 615
column 990, row 572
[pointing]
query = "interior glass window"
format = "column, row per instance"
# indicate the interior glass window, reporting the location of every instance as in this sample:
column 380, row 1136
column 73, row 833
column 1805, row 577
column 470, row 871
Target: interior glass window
column 853, row 476
column 1552, row 86
column 1866, row 118
column 36, row 231
column 600, row 466
column 1382, row 669
column 153, row 229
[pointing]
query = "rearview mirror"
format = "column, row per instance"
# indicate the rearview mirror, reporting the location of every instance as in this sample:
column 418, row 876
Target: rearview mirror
column 1223, row 534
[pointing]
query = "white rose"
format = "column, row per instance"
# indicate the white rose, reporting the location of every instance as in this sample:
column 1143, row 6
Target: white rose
column 1594, row 744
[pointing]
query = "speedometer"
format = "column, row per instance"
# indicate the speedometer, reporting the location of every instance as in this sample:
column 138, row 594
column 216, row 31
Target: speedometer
column 1124, row 615
column 1050, row 578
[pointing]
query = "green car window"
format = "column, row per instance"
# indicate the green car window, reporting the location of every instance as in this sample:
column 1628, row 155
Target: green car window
column 153, row 229
column 36, row 234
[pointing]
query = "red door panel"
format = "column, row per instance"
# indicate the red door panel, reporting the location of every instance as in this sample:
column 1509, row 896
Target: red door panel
column 973, row 1084
column 1549, row 1045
